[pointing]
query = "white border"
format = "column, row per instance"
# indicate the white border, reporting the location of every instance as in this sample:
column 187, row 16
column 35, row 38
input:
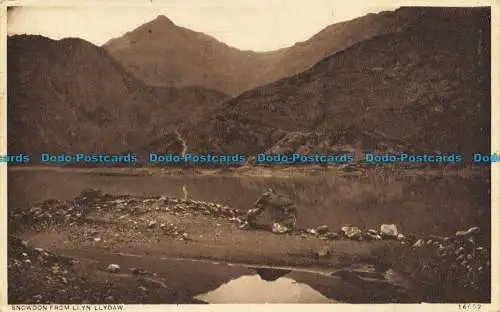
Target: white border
column 495, row 214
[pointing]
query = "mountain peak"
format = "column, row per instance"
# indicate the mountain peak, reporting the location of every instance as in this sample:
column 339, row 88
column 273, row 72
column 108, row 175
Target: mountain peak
column 163, row 19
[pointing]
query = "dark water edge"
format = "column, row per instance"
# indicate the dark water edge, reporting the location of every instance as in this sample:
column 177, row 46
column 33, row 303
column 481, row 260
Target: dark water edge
column 419, row 204
column 424, row 205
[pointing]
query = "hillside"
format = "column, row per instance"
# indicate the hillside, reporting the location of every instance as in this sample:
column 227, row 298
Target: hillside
column 164, row 54
column 71, row 96
column 335, row 38
column 428, row 86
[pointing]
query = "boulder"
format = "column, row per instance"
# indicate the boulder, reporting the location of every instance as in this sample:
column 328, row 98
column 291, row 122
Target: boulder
column 274, row 212
column 460, row 250
column 352, row 232
column 322, row 229
column 419, row 243
column 280, row 229
column 389, row 231
column 311, row 231
column 470, row 232
column 113, row 268
column 372, row 234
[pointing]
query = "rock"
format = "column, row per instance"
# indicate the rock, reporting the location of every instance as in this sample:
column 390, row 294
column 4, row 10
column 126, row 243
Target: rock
column 134, row 270
column 419, row 243
column 312, row 231
column 273, row 211
column 352, row 232
column 460, row 250
column 280, row 229
column 151, row 224
column 373, row 234
column 388, row 231
column 322, row 229
column 400, row 237
column 375, row 237
column 113, row 268
column 97, row 239
column 330, row 236
column 470, row 232
column 244, row 226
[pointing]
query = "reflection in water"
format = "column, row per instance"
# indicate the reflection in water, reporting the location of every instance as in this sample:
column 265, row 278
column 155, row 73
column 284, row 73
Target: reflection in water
column 253, row 289
column 185, row 192
column 271, row 275
column 367, row 202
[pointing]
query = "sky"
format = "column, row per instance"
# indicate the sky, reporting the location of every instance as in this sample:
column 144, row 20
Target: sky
column 258, row 25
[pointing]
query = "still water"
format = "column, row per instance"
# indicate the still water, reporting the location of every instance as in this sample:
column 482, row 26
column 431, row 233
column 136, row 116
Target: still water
column 422, row 205
column 253, row 289
column 215, row 282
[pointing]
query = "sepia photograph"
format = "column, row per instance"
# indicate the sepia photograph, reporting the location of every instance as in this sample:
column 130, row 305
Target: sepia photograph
column 248, row 152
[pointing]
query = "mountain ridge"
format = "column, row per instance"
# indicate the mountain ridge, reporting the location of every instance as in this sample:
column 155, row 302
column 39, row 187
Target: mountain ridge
column 425, row 86
column 214, row 64
column 428, row 70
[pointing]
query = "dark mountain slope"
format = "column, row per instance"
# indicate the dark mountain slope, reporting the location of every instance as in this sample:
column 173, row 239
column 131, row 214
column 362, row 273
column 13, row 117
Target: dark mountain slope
column 71, row 96
column 338, row 37
column 428, row 86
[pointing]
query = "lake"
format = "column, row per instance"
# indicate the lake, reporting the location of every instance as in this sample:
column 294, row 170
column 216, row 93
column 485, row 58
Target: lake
column 418, row 204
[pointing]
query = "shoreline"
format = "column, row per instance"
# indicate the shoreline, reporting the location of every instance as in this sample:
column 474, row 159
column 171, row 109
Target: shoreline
column 265, row 171
column 119, row 229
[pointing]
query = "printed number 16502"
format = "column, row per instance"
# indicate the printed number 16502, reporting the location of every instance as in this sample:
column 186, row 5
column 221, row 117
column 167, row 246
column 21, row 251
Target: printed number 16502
column 470, row 306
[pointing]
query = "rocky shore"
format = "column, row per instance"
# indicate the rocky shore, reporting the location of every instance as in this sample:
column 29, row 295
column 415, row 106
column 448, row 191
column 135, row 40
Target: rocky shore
column 444, row 269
